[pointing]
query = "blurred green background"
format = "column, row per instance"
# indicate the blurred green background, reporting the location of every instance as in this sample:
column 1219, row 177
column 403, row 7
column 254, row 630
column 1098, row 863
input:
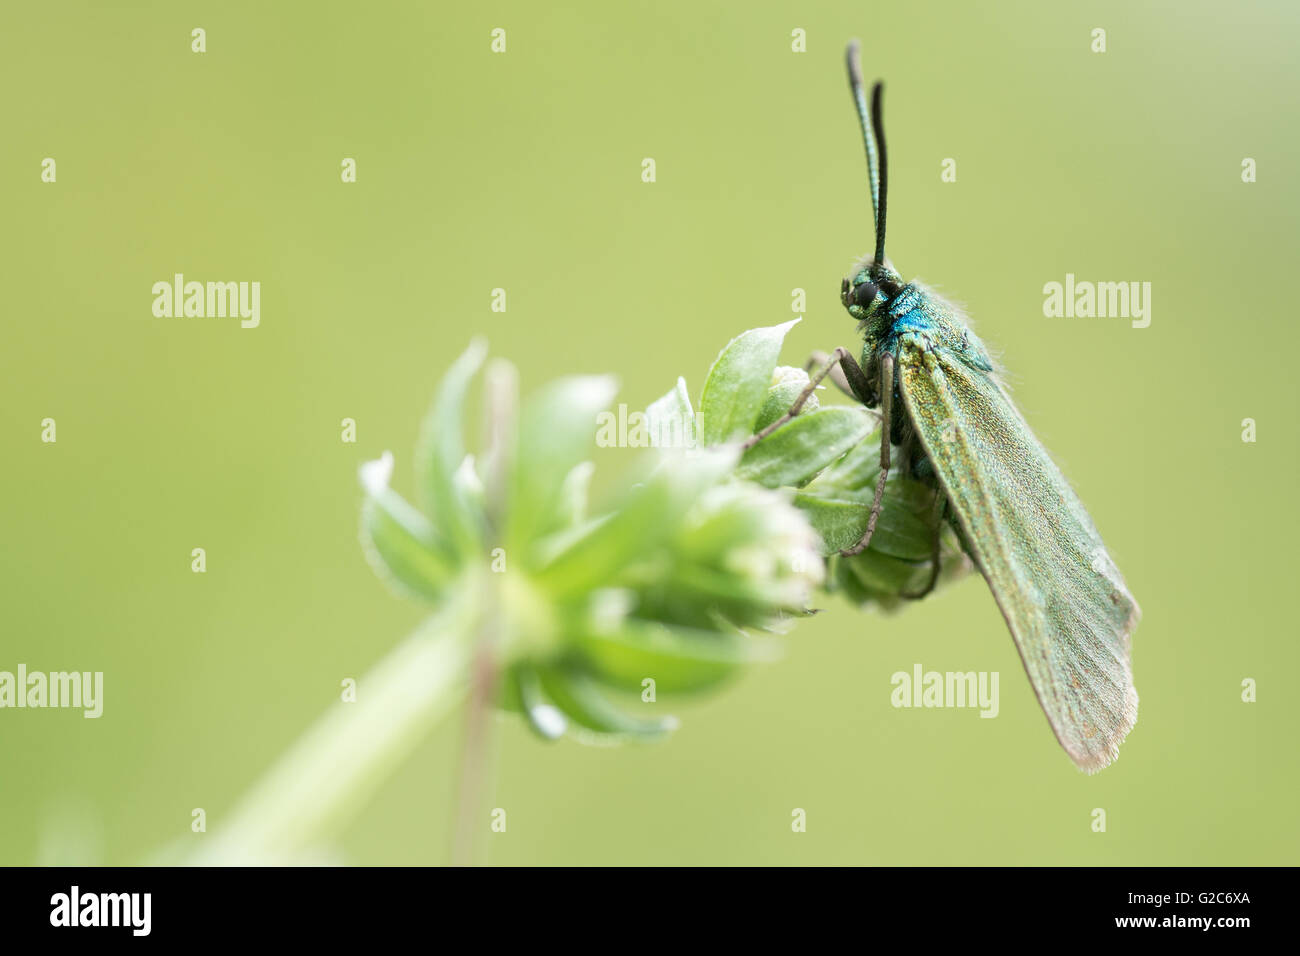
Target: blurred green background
column 523, row 170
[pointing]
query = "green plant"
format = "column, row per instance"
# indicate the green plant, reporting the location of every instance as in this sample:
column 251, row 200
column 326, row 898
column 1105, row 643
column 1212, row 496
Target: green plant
column 564, row 614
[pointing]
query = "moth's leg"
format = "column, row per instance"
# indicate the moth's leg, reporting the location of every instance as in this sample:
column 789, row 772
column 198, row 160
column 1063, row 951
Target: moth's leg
column 940, row 508
column 886, row 410
column 847, row 376
column 837, row 377
column 857, row 380
column 834, row 361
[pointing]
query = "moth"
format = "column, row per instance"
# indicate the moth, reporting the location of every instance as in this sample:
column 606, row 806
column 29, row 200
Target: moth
column 943, row 405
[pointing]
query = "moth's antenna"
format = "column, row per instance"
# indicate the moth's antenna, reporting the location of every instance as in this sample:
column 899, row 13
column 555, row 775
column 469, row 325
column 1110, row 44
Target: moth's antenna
column 878, row 128
column 872, row 134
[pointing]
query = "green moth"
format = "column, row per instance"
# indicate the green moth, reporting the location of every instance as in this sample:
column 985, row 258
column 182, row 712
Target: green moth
column 942, row 404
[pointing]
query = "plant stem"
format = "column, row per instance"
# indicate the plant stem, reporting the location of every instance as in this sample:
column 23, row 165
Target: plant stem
column 344, row 757
column 475, row 751
column 501, row 406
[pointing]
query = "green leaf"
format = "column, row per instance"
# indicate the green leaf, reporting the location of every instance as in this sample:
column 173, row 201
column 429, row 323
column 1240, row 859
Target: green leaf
column 441, row 450
column 403, row 548
column 572, row 507
column 872, row 578
column 671, row 420
column 583, row 703
column 677, row 659
column 805, row 445
column 557, row 430
column 544, row 718
column 838, row 504
column 882, row 573
column 737, row 384
column 737, row 599
column 590, row 558
column 400, row 543
column 787, row 384
column 858, row 469
column 841, row 522
column 841, row 580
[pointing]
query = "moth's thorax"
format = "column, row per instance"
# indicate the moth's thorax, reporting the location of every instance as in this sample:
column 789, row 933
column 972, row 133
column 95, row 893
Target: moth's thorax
column 888, row 309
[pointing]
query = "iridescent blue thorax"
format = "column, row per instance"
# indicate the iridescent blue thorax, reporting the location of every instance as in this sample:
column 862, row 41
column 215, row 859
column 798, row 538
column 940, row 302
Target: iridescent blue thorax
column 888, row 310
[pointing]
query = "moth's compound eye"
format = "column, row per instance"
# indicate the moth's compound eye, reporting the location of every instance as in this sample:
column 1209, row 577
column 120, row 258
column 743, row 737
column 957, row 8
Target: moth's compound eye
column 865, row 294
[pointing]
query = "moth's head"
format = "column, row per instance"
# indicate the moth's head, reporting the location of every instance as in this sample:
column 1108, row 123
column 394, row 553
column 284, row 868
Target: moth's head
column 868, row 288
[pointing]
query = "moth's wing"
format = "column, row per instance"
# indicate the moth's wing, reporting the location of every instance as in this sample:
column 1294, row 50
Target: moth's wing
column 1063, row 598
